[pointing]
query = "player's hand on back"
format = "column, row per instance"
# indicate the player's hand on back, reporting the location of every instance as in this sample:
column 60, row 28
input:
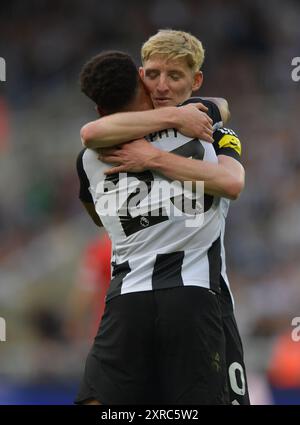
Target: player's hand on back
column 129, row 157
column 194, row 122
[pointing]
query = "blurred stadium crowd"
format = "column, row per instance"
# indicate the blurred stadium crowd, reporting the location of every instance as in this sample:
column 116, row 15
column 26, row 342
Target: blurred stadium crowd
column 43, row 229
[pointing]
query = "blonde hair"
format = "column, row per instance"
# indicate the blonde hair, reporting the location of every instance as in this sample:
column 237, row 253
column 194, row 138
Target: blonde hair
column 175, row 45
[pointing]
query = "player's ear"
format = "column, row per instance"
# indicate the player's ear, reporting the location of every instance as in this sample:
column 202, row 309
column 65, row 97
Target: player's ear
column 141, row 72
column 198, row 80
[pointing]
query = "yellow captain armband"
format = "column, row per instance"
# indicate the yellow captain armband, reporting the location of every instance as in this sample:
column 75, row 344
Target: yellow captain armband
column 227, row 138
column 231, row 142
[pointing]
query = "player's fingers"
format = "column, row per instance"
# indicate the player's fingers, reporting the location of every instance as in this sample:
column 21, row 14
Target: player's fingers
column 114, row 170
column 108, row 151
column 111, row 159
column 207, row 137
column 201, row 107
column 210, row 120
column 208, row 129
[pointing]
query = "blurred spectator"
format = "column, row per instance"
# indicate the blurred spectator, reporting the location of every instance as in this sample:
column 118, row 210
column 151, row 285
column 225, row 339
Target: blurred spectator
column 284, row 370
column 87, row 301
column 4, row 125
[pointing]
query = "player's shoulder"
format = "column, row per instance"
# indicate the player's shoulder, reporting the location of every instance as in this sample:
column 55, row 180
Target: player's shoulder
column 197, row 99
column 224, row 131
column 87, row 153
column 80, row 155
column 86, row 156
column 79, row 164
column 85, row 159
column 213, row 111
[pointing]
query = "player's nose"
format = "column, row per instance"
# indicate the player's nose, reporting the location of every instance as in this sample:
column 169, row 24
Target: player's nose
column 162, row 85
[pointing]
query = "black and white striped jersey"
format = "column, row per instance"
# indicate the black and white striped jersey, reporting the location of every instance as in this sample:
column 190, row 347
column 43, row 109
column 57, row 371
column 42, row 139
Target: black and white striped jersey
column 157, row 250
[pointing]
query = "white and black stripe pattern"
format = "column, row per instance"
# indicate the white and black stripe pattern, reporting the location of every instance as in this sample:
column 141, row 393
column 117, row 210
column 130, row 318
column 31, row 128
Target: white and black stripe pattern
column 164, row 252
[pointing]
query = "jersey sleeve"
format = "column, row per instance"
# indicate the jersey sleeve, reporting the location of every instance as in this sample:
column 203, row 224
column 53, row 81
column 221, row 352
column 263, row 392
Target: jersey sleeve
column 84, row 193
column 226, row 142
column 213, row 111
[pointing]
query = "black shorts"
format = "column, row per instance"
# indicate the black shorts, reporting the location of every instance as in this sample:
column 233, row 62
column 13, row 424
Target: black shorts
column 158, row 347
column 236, row 370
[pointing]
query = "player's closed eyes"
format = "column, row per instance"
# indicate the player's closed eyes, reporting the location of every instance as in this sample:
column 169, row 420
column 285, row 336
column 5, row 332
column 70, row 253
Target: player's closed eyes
column 152, row 75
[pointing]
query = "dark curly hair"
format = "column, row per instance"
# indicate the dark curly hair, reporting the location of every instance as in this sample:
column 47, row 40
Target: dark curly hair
column 110, row 79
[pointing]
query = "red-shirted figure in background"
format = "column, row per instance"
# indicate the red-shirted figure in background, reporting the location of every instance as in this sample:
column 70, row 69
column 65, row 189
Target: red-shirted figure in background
column 88, row 299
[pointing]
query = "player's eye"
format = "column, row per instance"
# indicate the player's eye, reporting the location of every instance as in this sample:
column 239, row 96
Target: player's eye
column 151, row 74
column 175, row 77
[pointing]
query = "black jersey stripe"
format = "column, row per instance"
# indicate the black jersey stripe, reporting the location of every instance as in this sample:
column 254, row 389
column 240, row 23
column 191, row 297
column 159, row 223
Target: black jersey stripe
column 118, row 274
column 214, row 261
column 227, row 307
column 167, row 270
column 84, row 194
column 229, row 152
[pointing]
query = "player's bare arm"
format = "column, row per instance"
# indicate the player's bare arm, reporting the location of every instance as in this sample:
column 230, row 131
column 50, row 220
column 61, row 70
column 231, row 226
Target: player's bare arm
column 190, row 120
column 225, row 178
